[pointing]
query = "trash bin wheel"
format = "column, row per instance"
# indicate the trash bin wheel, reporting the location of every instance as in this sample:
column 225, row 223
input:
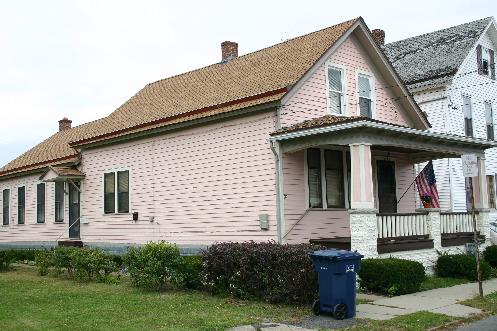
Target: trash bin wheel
column 340, row 311
column 316, row 307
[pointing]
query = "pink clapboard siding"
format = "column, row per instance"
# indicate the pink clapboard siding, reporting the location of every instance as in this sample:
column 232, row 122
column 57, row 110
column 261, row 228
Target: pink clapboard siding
column 31, row 230
column 310, row 101
column 202, row 185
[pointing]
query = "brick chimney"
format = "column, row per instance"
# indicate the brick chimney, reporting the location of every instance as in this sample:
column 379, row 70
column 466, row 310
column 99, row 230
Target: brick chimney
column 378, row 36
column 64, row 124
column 229, row 50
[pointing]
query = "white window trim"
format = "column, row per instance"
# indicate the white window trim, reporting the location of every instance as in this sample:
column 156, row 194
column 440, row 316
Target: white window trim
column 63, row 203
column 369, row 75
column 489, row 102
column 36, row 206
column 485, row 51
column 115, row 171
column 344, row 151
column 463, row 95
column 25, row 202
column 343, row 70
column 10, row 205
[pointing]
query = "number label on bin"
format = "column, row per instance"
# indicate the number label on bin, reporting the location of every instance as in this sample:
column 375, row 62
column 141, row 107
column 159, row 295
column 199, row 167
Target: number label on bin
column 350, row 268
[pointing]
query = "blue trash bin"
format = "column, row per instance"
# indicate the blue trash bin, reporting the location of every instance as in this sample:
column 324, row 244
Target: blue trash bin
column 336, row 271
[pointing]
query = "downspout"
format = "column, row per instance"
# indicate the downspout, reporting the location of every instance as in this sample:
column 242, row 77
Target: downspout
column 275, row 148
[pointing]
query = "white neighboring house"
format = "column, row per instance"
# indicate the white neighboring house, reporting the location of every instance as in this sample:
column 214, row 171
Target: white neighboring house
column 451, row 74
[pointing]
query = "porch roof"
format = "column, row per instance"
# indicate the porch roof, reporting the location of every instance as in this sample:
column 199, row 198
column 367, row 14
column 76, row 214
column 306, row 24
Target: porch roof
column 339, row 130
column 61, row 174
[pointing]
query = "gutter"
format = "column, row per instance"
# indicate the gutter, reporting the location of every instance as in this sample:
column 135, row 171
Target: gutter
column 173, row 117
column 279, row 190
column 33, row 167
column 368, row 124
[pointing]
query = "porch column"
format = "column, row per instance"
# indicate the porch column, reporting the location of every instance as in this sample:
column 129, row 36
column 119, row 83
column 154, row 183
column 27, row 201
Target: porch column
column 480, row 185
column 481, row 199
column 363, row 220
column 361, row 175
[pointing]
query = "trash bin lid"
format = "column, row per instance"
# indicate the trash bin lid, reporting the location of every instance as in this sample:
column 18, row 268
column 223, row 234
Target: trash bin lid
column 336, row 255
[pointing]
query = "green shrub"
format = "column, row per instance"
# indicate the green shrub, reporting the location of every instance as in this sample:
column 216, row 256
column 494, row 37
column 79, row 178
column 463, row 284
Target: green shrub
column 24, row 254
column 269, row 271
column 490, row 255
column 44, row 261
column 153, row 265
column 63, row 260
column 92, row 264
column 391, row 276
column 189, row 273
column 6, row 259
column 460, row 266
column 86, row 264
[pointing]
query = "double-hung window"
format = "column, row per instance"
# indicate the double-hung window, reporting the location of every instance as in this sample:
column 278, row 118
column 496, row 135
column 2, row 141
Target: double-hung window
column 468, row 115
column 328, row 178
column 489, row 119
column 116, row 192
column 335, row 90
column 40, row 203
column 486, row 61
column 6, row 206
column 365, row 91
column 21, row 205
column 59, row 201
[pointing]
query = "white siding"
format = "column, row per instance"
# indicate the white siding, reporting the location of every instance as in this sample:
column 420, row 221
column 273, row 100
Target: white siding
column 446, row 115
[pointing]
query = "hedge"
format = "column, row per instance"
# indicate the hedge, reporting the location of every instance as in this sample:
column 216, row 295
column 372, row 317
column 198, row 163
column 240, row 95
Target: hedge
column 391, row 276
column 490, row 255
column 269, row 271
column 87, row 264
column 461, row 266
column 6, row 259
column 154, row 265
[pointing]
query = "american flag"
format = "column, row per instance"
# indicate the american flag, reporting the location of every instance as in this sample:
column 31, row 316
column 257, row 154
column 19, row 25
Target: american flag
column 426, row 183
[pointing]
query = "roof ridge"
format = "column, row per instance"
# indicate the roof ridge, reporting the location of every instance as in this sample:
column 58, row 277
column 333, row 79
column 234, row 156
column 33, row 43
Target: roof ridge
column 253, row 52
column 489, row 18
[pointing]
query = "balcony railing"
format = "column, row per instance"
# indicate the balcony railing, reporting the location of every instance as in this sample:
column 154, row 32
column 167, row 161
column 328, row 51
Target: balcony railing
column 402, row 225
column 456, row 222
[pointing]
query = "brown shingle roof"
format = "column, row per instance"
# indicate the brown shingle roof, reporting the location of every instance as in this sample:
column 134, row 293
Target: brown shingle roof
column 252, row 79
column 323, row 121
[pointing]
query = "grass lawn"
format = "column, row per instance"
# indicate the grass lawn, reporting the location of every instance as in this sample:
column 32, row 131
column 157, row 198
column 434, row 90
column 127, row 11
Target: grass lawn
column 488, row 303
column 432, row 282
column 413, row 322
column 32, row 302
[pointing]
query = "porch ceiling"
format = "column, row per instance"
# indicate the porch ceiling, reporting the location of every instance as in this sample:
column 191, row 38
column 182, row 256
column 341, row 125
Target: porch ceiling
column 420, row 145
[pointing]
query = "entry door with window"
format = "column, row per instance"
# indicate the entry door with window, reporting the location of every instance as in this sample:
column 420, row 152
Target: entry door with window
column 387, row 197
column 74, row 211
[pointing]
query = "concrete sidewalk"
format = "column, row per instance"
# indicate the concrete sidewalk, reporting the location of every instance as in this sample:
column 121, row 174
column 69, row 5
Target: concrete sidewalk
column 441, row 301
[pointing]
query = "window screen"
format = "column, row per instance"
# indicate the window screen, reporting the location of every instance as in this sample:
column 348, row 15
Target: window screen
column 365, row 96
column 314, row 177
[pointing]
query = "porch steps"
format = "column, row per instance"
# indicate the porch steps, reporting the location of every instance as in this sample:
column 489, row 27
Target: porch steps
column 70, row 243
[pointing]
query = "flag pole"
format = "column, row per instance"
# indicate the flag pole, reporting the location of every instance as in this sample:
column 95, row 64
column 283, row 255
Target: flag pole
column 398, row 201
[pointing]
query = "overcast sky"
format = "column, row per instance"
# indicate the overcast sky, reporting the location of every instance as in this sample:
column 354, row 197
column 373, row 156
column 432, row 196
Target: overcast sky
column 83, row 59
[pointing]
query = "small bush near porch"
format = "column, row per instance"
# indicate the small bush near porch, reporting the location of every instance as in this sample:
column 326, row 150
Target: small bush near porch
column 391, row 276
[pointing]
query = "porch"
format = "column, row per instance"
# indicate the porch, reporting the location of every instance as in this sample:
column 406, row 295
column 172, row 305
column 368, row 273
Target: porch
column 346, row 183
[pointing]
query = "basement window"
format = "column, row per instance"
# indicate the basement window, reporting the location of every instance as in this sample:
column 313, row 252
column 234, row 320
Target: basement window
column 116, row 192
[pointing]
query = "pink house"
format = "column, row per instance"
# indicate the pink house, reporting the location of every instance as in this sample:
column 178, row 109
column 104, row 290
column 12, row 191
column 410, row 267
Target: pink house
column 313, row 139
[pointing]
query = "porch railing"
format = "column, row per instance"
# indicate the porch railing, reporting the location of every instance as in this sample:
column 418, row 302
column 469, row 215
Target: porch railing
column 456, row 222
column 402, row 225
